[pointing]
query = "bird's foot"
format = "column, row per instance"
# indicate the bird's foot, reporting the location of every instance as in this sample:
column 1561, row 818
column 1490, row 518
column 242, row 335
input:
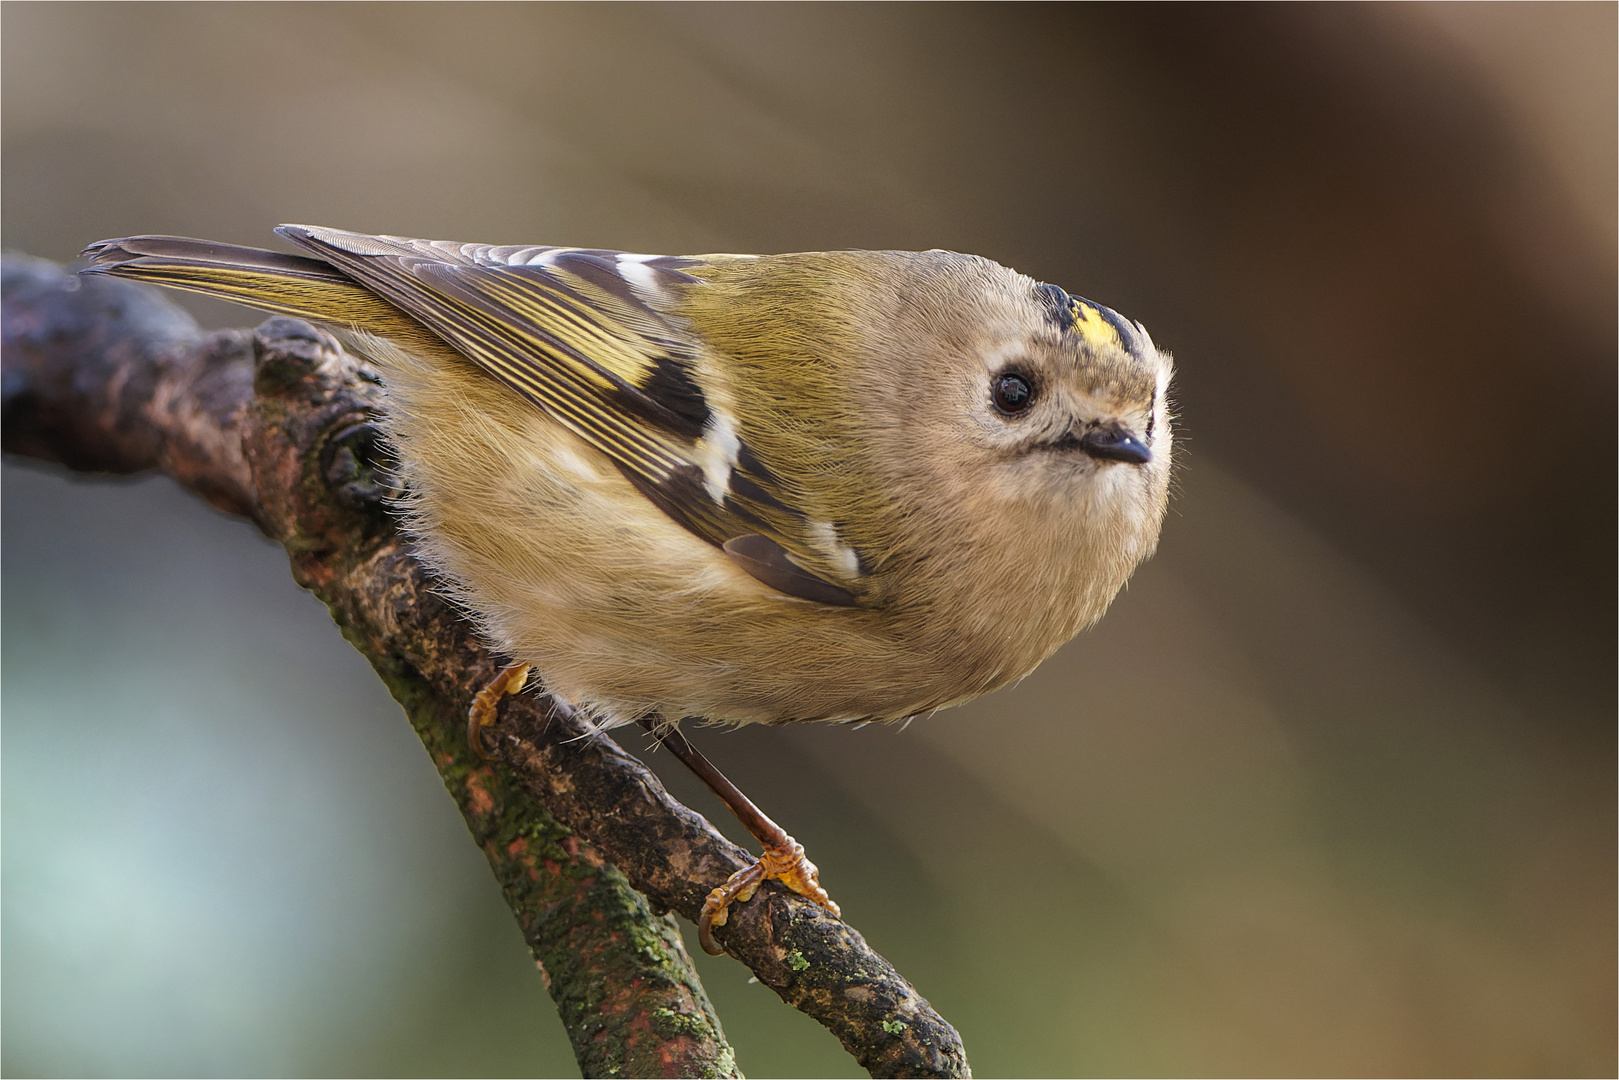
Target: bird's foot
column 484, row 703
column 785, row 863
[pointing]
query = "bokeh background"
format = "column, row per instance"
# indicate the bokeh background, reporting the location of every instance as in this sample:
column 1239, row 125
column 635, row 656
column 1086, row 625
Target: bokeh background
column 1331, row 789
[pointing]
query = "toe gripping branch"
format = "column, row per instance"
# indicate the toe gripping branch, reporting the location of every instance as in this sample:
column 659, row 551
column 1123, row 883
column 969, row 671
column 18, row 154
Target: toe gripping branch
column 783, row 859
column 785, row 863
column 509, row 680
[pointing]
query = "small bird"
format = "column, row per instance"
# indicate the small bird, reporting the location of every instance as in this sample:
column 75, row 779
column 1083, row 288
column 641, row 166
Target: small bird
column 843, row 486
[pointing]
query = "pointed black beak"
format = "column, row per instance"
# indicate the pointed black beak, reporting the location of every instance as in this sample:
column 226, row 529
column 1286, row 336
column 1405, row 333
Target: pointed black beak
column 1112, row 443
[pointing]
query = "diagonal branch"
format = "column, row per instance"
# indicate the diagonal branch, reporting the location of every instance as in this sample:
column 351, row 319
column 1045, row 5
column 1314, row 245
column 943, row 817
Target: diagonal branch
column 276, row 425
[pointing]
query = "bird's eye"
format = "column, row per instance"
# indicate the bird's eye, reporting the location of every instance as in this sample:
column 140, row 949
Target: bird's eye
column 1011, row 392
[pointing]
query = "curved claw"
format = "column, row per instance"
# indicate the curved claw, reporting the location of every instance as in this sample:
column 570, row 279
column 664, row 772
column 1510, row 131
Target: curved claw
column 716, row 909
column 786, row 864
column 509, row 680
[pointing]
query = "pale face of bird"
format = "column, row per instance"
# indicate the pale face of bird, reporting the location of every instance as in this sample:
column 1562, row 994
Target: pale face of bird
column 1052, row 396
column 1002, row 449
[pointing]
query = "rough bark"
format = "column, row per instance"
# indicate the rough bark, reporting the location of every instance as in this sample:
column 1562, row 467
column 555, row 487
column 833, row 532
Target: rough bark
column 276, row 425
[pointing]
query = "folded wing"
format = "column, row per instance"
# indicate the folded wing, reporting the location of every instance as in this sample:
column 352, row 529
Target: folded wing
column 568, row 329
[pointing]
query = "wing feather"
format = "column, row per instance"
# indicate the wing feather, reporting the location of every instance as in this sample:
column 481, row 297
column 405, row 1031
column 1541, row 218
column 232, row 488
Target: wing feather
column 565, row 328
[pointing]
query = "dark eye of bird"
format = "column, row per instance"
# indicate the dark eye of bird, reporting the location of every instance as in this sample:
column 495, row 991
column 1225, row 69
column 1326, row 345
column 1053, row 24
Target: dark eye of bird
column 1012, row 392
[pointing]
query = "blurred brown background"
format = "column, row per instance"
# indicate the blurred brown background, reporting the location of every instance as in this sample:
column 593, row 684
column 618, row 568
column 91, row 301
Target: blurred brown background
column 1330, row 791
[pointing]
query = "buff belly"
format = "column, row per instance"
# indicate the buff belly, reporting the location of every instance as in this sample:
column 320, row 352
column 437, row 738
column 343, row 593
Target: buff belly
column 566, row 566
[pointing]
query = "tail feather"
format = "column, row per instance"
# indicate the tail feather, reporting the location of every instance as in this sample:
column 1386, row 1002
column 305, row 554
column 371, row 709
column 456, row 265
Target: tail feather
column 284, row 284
column 110, row 256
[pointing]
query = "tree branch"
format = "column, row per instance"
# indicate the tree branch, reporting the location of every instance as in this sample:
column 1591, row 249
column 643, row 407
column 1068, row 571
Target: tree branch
column 277, row 425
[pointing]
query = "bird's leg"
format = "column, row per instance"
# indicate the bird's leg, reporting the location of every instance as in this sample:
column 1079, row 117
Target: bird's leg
column 783, row 857
column 509, row 680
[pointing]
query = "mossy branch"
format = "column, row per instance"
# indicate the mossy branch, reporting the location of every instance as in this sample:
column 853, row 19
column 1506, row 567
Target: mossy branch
column 276, row 425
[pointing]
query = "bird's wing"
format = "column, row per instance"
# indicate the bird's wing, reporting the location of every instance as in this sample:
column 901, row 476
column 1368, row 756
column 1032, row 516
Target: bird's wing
column 568, row 329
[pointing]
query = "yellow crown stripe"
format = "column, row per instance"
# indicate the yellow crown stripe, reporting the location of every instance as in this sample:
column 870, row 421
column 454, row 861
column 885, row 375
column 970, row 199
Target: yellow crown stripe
column 1090, row 324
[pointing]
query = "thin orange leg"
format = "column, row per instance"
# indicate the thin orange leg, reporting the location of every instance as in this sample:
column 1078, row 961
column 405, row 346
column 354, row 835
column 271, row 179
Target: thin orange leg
column 484, row 703
column 783, row 858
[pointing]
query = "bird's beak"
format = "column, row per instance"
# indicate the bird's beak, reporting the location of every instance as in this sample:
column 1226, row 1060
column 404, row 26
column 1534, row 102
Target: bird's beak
column 1110, row 442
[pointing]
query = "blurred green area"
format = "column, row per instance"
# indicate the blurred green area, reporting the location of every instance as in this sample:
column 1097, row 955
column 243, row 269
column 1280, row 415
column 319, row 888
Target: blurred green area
column 1330, row 790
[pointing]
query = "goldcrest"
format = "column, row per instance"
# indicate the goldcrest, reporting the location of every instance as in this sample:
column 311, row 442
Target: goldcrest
column 833, row 486
column 843, row 486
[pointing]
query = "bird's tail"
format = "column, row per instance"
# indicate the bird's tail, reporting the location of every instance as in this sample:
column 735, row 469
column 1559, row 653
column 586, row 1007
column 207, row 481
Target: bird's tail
column 285, row 284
